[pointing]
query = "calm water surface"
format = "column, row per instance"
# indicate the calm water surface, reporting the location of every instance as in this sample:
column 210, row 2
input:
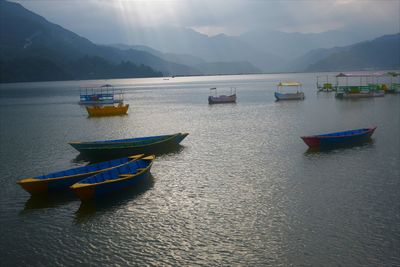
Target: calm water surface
column 241, row 190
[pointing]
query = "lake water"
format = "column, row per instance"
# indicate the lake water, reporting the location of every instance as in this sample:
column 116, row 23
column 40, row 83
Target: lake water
column 242, row 190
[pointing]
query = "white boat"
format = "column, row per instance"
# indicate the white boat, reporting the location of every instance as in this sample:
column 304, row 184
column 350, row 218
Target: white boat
column 221, row 99
column 280, row 95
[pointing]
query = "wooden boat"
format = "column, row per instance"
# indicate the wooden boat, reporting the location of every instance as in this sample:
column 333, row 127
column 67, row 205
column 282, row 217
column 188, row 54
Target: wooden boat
column 221, row 99
column 113, row 180
column 100, row 111
column 119, row 147
column 339, row 138
column 105, row 94
column 298, row 95
column 63, row 179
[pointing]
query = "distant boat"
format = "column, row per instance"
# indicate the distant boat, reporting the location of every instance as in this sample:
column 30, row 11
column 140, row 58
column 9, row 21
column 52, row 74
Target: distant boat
column 221, row 99
column 105, row 94
column 339, row 138
column 280, row 95
column 61, row 180
column 326, row 86
column 120, row 147
column 114, row 179
column 360, row 85
column 100, row 111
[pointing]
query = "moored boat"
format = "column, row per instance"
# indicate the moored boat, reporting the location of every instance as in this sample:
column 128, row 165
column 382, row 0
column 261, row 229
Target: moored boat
column 61, row 180
column 100, row 111
column 280, row 95
column 348, row 137
column 113, row 180
column 105, row 94
column 120, row 147
column 360, row 85
column 221, row 99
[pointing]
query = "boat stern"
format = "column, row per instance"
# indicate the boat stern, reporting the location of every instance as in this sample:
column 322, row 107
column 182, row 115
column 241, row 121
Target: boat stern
column 84, row 191
column 34, row 186
column 311, row 141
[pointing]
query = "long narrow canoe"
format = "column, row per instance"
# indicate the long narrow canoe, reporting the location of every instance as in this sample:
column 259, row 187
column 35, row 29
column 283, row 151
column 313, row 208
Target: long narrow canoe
column 339, row 138
column 62, row 180
column 113, row 180
column 119, row 147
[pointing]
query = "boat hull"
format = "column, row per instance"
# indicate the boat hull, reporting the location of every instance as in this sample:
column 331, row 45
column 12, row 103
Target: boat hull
column 344, row 95
column 223, row 99
column 38, row 186
column 116, row 149
column 339, row 139
column 57, row 181
column 100, row 102
column 87, row 190
column 96, row 111
column 289, row 96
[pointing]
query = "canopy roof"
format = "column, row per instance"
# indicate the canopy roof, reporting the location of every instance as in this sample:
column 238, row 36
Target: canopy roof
column 361, row 74
column 394, row 73
column 289, row 84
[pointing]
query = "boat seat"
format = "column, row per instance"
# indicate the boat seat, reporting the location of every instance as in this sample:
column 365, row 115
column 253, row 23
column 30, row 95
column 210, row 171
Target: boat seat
column 125, row 175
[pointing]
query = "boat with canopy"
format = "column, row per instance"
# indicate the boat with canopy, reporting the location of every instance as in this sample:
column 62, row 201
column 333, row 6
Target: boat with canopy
column 281, row 93
column 105, row 94
column 360, row 84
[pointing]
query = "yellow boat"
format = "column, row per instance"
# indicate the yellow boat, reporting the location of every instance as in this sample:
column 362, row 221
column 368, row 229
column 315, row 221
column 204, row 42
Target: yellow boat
column 99, row 111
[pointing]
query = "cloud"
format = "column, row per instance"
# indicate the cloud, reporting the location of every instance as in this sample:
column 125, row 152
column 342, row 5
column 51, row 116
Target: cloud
column 97, row 19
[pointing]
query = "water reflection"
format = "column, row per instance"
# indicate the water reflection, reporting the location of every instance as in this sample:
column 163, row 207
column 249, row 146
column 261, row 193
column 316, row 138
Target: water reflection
column 338, row 147
column 90, row 209
column 50, row 200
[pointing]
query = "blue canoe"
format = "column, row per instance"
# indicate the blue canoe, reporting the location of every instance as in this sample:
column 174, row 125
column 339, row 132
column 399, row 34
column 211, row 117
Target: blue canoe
column 349, row 137
column 64, row 179
column 113, row 180
column 121, row 147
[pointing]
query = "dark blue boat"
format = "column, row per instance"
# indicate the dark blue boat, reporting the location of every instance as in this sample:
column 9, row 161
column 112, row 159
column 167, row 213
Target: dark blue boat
column 122, row 147
column 349, row 137
column 113, row 180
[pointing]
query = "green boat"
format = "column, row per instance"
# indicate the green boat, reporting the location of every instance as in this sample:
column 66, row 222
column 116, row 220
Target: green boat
column 120, row 147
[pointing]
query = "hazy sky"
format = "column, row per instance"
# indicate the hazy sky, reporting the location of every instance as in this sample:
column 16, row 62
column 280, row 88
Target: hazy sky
column 94, row 19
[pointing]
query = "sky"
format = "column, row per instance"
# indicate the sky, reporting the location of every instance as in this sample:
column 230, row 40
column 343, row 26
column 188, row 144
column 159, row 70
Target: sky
column 99, row 20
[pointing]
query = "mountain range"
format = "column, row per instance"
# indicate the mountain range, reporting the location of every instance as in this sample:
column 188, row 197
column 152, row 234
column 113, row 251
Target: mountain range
column 34, row 49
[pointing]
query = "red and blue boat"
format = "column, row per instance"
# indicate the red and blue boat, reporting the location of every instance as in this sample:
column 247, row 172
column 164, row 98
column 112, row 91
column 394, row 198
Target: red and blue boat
column 336, row 139
column 114, row 179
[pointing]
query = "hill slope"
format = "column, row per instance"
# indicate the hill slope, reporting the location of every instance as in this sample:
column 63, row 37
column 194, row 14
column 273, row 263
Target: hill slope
column 380, row 53
column 26, row 35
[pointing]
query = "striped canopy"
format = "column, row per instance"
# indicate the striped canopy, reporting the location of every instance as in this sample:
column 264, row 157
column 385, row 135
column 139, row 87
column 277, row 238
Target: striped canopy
column 289, row 84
